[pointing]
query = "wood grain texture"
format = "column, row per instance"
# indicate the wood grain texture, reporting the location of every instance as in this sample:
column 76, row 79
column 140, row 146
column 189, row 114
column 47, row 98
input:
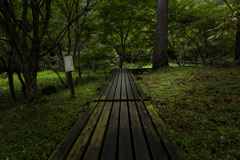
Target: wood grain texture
column 117, row 95
column 80, row 145
column 109, row 151
column 125, row 146
column 129, row 87
column 154, row 142
column 140, row 145
column 161, row 129
column 124, row 87
column 94, row 147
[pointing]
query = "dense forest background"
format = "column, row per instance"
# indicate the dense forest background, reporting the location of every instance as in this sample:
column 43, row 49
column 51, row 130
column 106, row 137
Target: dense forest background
column 35, row 35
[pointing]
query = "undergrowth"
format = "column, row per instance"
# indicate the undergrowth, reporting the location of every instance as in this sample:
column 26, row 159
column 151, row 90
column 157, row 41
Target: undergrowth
column 201, row 107
column 33, row 131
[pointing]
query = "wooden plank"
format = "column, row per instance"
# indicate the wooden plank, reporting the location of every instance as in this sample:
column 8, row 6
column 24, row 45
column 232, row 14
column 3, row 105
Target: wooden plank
column 113, row 89
column 129, row 88
column 102, row 89
column 109, row 151
column 140, row 145
column 71, row 137
column 93, row 150
column 80, row 145
column 157, row 151
column 117, row 95
column 172, row 150
column 125, row 146
column 123, row 90
column 134, row 88
column 142, row 94
column 107, row 90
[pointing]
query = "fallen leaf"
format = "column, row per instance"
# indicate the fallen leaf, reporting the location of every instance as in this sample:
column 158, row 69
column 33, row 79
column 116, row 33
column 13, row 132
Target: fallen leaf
column 176, row 112
column 210, row 106
column 183, row 98
column 233, row 99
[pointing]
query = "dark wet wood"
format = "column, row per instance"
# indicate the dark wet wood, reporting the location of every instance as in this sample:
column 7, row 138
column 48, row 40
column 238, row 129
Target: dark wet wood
column 94, row 147
column 119, row 124
column 154, row 141
column 140, row 144
column 124, row 87
column 110, row 145
column 125, row 146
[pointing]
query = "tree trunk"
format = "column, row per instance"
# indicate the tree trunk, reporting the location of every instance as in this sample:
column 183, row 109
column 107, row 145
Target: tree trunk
column 30, row 68
column 79, row 65
column 10, row 70
column 203, row 58
column 31, row 85
column 160, row 58
column 11, row 86
column 121, row 61
column 22, row 83
column 237, row 44
column 177, row 61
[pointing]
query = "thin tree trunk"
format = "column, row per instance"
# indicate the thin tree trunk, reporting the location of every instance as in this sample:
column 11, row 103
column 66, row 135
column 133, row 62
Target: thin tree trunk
column 160, row 57
column 22, row 83
column 177, row 61
column 203, row 58
column 121, row 61
column 10, row 70
column 79, row 65
column 237, row 44
column 11, row 86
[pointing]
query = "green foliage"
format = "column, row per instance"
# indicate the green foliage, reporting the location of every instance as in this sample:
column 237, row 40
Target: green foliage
column 33, row 131
column 201, row 108
column 190, row 23
column 124, row 30
column 227, row 25
column 102, row 57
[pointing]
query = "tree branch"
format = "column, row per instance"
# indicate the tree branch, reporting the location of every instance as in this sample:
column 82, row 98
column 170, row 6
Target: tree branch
column 64, row 31
column 1, row 39
column 3, row 62
column 46, row 22
column 228, row 4
column 7, row 10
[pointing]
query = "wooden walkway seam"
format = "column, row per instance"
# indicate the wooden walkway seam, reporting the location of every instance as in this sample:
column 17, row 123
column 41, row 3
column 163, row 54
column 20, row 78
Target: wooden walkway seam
column 120, row 124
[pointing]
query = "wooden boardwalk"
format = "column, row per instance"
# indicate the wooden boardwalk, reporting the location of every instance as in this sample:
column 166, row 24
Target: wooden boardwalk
column 120, row 124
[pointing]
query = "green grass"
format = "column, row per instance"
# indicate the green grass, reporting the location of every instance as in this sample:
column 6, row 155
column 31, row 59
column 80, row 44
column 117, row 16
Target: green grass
column 33, row 131
column 201, row 107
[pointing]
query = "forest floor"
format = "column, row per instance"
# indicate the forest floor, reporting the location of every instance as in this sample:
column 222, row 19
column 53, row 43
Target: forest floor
column 201, row 108
column 33, row 131
column 200, row 105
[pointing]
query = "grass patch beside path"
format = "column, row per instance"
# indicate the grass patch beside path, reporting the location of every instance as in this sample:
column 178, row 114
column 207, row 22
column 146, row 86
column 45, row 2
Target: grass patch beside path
column 201, row 107
column 33, row 131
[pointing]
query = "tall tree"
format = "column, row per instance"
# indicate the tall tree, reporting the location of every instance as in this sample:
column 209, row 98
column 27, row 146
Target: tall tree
column 25, row 25
column 25, row 38
column 122, row 25
column 160, row 57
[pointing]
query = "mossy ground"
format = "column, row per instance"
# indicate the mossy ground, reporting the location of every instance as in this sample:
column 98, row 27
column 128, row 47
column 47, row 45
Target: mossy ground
column 201, row 107
column 33, row 131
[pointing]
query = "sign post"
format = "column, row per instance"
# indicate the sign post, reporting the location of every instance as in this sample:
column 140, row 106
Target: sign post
column 69, row 67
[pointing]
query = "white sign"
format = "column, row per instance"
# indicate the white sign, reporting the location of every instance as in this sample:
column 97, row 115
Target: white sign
column 68, row 62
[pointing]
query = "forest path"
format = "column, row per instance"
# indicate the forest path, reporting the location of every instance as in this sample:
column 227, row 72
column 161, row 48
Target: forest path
column 120, row 124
